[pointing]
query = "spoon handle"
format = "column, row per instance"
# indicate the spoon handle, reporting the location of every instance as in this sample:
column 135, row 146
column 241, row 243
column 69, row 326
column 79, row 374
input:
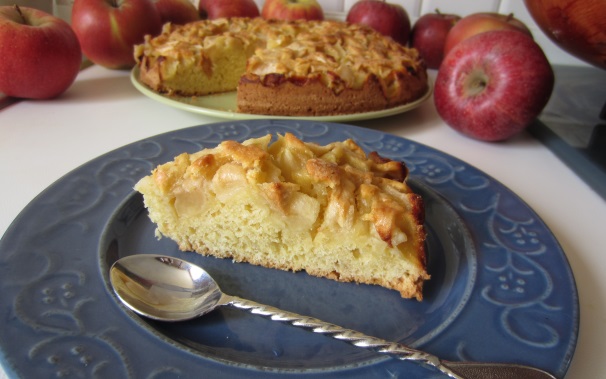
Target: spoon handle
column 379, row 345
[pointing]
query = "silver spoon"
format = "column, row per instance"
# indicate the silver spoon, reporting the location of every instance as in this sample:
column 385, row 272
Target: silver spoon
column 170, row 289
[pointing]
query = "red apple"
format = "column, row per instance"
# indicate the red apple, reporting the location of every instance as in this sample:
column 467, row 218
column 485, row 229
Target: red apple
column 108, row 29
column 40, row 54
column 482, row 22
column 429, row 36
column 577, row 26
column 493, row 85
column 202, row 5
column 292, row 10
column 386, row 18
column 176, row 11
column 213, row 9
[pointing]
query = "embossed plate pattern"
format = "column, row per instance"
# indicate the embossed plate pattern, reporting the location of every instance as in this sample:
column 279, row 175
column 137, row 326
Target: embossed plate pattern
column 501, row 287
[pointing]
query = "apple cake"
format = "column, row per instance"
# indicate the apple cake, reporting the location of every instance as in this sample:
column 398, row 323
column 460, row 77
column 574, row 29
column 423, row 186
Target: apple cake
column 331, row 210
column 291, row 68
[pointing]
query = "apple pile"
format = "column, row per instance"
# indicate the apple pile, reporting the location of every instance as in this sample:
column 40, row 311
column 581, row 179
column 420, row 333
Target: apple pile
column 494, row 79
column 40, row 55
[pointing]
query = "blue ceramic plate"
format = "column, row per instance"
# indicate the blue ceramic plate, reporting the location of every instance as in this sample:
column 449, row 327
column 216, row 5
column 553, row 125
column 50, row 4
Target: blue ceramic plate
column 501, row 288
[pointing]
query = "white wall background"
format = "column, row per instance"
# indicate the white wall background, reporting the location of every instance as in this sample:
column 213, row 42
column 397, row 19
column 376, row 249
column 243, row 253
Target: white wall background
column 415, row 9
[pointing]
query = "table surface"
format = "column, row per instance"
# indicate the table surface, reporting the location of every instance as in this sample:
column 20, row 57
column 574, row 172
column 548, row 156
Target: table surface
column 40, row 141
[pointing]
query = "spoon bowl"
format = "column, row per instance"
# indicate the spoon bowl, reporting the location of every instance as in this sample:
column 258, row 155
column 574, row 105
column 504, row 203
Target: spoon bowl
column 170, row 289
column 164, row 288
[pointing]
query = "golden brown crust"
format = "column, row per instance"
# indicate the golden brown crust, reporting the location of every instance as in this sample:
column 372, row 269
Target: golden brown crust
column 310, row 97
column 281, row 205
column 325, row 67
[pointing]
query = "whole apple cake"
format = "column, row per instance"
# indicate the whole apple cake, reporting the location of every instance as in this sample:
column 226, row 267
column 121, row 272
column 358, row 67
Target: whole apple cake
column 291, row 68
column 331, row 210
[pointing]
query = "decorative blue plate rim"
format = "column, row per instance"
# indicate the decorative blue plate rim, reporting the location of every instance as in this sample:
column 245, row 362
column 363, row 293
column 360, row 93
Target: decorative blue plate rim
column 502, row 288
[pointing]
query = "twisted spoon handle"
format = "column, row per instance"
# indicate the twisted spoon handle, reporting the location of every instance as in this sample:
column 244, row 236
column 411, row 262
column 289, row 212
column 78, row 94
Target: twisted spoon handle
column 379, row 345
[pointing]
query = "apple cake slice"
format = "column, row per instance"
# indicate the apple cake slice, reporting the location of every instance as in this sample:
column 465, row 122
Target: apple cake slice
column 331, row 210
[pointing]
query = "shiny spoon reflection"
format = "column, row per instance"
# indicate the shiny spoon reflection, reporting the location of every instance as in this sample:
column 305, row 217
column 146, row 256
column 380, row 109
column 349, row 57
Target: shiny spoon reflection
column 170, row 289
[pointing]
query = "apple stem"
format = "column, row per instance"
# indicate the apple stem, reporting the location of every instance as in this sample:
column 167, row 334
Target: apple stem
column 509, row 17
column 438, row 11
column 18, row 10
column 114, row 3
